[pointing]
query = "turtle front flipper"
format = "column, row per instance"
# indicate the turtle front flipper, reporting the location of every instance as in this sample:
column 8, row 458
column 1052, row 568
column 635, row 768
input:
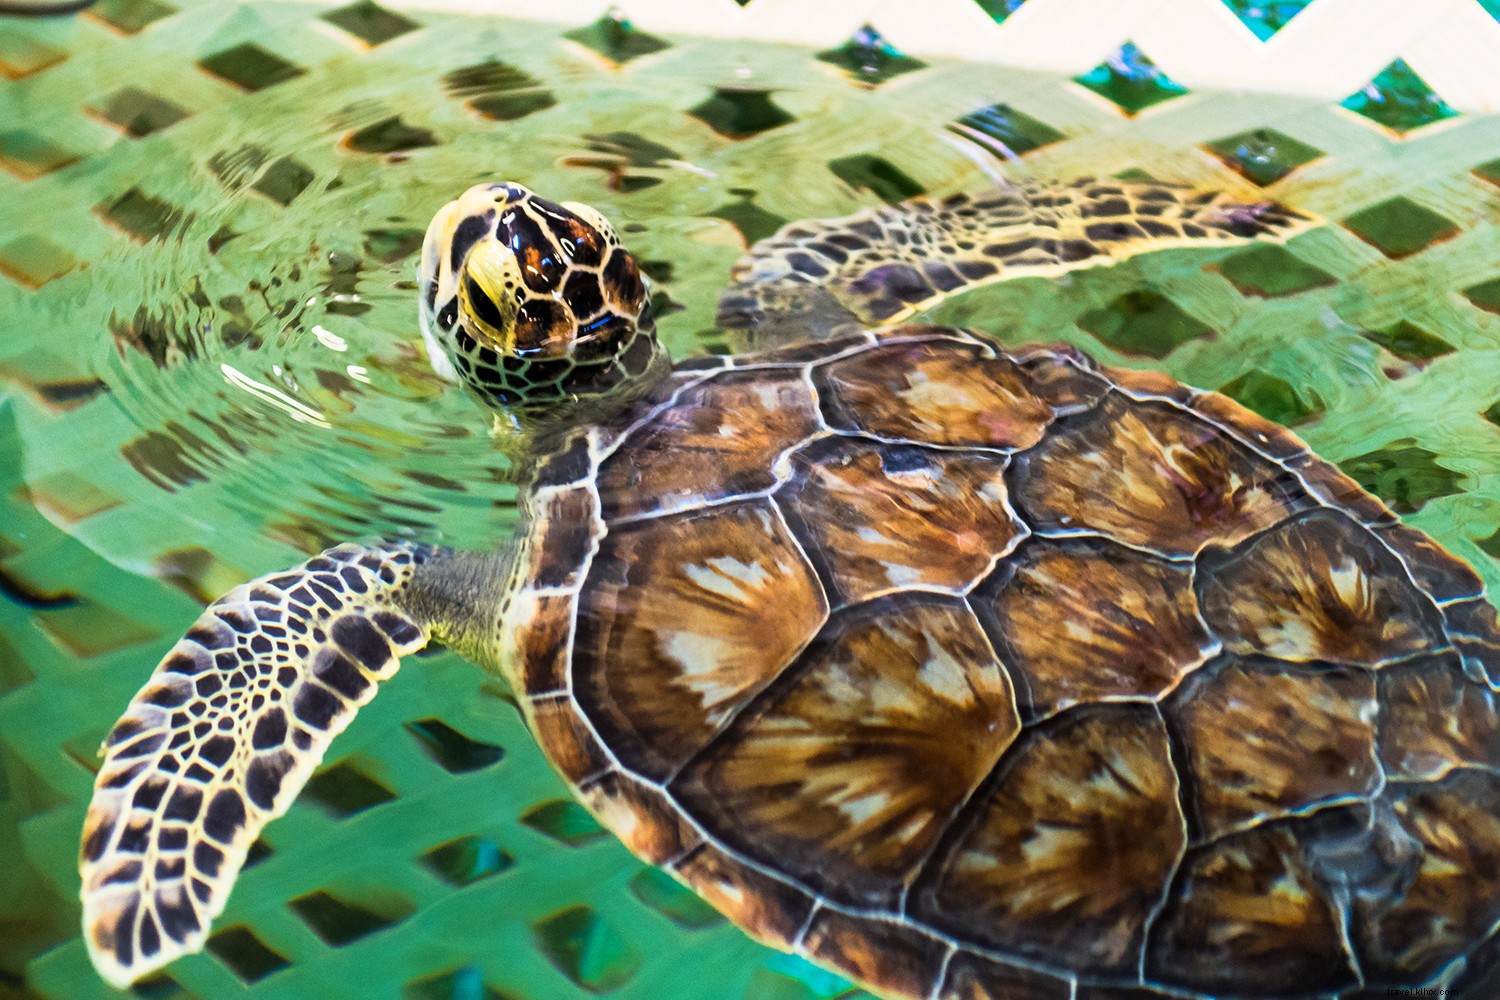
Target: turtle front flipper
column 228, row 730
column 883, row 265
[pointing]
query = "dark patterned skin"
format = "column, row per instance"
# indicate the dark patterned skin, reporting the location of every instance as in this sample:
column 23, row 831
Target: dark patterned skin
column 1092, row 682
column 534, row 302
column 970, row 675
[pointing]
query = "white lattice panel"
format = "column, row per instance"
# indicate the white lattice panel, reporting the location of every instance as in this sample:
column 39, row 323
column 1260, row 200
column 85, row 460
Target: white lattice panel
column 1329, row 50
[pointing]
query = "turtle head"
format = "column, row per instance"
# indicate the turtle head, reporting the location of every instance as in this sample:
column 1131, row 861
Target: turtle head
column 536, row 306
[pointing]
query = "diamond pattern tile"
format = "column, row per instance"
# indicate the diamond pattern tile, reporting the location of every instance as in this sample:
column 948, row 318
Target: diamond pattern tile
column 371, row 23
column 1403, row 474
column 1263, row 155
column 29, row 153
column 1400, row 227
column 1399, row 99
column 1485, row 295
column 250, row 67
column 1269, row 271
column 1409, row 342
column 877, row 175
column 1273, row 397
column 130, row 16
column 1143, row 323
column 1265, row 17
column 34, row 260
column 138, row 113
column 615, row 38
column 1005, row 131
column 739, row 113
column 587, row 949
column 999, row 10
column 870, row 59
column 1131, row 81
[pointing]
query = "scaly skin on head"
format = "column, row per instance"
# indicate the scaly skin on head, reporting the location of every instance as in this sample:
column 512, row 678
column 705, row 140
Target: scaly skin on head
column 537, row 307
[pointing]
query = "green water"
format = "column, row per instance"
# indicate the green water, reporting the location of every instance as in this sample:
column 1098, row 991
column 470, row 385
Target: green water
column 209, row 366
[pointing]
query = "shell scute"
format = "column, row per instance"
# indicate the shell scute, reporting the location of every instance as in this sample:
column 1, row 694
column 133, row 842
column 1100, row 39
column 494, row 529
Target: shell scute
column 1081, row 620
column 974, row 977
column 889, row 956
column 768, row 909
column 953, row 393
column 1069, row 849
column 572, row 748
column 1318, row 587
column 736, row 424
column 839, row 777
column 882, row 517
column 1475, row 628
column 1265, row 739
column 705, row 608
column 1451, row 899
column 1249, row 909
column 1436, row 719
column 1063, row 378
column 1153, row 476
column 646, row 820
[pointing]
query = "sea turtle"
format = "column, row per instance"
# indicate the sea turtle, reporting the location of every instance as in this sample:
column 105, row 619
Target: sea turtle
column 967, row 673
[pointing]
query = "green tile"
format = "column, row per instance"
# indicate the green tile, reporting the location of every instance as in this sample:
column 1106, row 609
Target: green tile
column 870, row 59
column 284, row 180
column 753, row 222
column 1399, row 99
column 999, row 10
column 1493, row 413
column 250, row 67
column 1406, row 476
column 1005, row 130
column 1400, row 227
column 1485, row 295
column 616, row 39
column 1409, row 342
column 673, row 900
column 1269, row 271
column 467, row 860
column 586, row 949
column 141, row 216
column 1490, row 170
column 370, row 22
column 22, row 54
column 876, row 174
column 1143, row 323
column 739, row 113
column 390, row 135
column 1263, row 155
column 138, row 112
column 1273, row 398
column 565, row 821
column 29, row 154
column 34, row 260
column 498, row 90
column 1265, row 17
column 1131, row 81
column 1491, row 545
column 131, row 16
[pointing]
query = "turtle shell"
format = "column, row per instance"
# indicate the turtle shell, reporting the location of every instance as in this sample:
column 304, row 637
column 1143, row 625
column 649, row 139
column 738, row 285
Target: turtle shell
column 973, row 674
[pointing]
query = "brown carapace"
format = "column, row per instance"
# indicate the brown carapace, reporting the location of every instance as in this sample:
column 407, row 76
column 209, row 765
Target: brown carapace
column 975, row 675
column 971, row 675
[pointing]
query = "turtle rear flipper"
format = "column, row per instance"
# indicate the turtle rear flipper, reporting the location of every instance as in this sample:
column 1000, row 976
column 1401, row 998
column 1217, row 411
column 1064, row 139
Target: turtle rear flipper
column 223, row 737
